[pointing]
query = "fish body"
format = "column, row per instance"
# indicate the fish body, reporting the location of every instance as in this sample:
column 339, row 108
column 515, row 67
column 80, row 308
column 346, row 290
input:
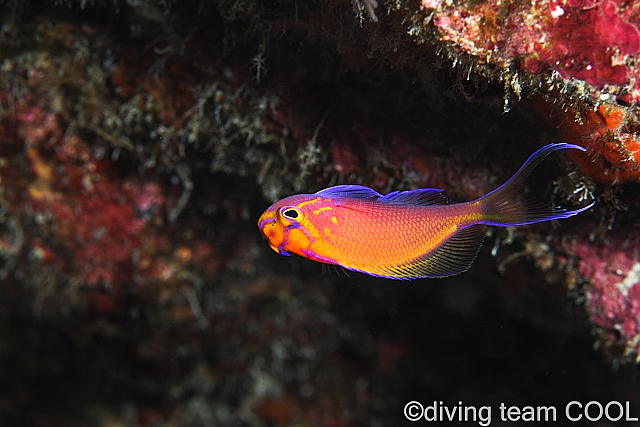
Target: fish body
column 404, row 234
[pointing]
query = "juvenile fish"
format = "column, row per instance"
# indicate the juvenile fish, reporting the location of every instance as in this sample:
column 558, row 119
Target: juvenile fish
column 404, row 234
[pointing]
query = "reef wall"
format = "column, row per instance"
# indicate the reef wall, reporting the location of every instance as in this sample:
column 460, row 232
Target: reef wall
column 141, row 140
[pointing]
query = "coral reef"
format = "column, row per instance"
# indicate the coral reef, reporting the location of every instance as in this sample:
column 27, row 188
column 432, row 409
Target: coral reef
column 575, row 61
column 139, row 141
column 578, row 56
column 584, row 40
column 608, row 132
column 612, row 268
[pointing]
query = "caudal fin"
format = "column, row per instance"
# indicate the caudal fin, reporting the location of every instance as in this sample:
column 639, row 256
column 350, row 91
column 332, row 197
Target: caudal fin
column 507, row 205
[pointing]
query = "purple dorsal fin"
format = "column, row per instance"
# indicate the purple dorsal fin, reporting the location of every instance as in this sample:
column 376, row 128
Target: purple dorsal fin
column 350, row 191
column 419, row 197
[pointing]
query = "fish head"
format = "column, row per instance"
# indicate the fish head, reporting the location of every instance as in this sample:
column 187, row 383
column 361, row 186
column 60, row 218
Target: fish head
column 287, row 225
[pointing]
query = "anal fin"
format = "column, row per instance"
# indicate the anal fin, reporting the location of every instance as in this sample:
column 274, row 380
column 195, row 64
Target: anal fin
column 453, row 257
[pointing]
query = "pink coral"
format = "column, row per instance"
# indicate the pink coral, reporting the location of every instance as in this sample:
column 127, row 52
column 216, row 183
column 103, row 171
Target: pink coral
column 97, row 227
column 593, row 41
column 612, row 270
column 588, row 40
column 100, row 218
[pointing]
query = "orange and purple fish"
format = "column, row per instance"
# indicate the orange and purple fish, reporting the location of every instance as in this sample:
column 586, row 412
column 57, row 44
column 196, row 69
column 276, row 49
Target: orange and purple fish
column 405, row 234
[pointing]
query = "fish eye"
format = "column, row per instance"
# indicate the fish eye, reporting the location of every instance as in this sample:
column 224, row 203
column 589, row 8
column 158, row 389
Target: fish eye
column 291, row 213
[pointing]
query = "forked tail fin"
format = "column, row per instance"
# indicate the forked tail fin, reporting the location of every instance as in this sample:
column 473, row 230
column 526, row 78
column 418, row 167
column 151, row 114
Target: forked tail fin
column 507, row 205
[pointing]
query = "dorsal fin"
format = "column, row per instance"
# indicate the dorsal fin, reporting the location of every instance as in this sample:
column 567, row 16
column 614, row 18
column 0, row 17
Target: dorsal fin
column 419, row 197
column 351, row 191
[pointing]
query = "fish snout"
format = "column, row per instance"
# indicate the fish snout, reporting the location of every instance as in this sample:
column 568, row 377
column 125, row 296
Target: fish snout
column 272, row 230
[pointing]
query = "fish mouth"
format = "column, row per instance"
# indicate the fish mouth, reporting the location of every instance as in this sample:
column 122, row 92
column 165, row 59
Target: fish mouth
column 280, row 250
column 273, row 232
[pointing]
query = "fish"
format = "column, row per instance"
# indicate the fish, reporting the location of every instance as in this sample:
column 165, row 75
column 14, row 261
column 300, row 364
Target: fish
column 402, row 235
